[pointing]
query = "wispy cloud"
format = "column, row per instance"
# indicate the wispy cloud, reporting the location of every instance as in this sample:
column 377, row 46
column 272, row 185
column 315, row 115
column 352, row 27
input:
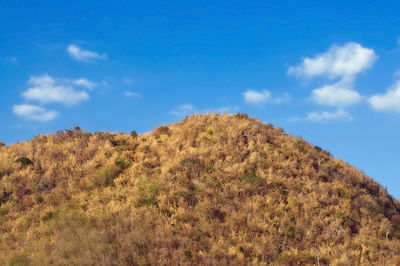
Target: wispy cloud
column 340, row 114
column 264, row 96
column 85, row 83
column 389, row 101
column 132, row 94
column 84, row 55
column 340, row 63
column 127, row 81
column 33, row 112
column 183, row 110
column 256, row 97
column 46, row 89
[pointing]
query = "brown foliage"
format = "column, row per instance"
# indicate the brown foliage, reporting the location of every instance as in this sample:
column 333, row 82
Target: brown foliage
column 212, row 189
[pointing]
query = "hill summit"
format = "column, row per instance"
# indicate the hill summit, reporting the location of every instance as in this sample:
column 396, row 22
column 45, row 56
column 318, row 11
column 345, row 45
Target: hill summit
column 212, row 189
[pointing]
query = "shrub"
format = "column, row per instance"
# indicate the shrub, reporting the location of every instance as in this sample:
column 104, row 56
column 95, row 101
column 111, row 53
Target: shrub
column 69, row 132
column 191, row 166
column 290, row 232
column 318, row 149
column 274, row 223
column 48, row 216
column 4, row 172
column 188, row 254
column 121, row 163
column 188, row 197
column 104, row 176
column 44, row 186
column 146, row 201
column 38, row 198
column 148, row 192
column 24, row 161
column 161, row 130
column 134, row 134
column 279, row 187
column 190, row 161
column 299, row 143
column 343, row 217
column 2, row 144
column 77, row 129
column 241, row 116
column 250, row 176
column 323, row 178
column 116, row 143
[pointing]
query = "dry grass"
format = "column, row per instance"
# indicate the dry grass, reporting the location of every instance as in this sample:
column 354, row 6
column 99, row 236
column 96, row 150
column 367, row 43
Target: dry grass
column 212, row 189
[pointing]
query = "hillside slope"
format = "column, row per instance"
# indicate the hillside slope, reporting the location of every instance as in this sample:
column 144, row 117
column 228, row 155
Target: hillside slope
column 212, row 189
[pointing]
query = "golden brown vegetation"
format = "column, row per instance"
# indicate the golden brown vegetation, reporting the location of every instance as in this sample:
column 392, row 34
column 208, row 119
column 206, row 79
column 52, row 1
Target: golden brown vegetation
column 212, row 189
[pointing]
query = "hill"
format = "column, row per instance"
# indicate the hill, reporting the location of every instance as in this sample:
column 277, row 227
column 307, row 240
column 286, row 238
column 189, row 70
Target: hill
column 212, row 189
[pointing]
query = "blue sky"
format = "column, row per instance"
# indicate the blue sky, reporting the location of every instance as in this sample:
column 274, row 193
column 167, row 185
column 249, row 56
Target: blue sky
column 328, row 71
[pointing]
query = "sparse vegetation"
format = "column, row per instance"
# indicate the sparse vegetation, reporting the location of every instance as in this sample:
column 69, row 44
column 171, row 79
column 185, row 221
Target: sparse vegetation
column 210, row 190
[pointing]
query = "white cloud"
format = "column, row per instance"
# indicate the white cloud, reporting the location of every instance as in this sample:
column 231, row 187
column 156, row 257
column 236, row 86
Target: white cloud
column 33, row 112
column 339, row 61
column 85, row 83
column 340, row 114
column 183, row 110
column 338, row 94
column 389, row 101
column 132, row 94
column 46, row 89
column 256, row 97
column 260, row 97
column 84, row 55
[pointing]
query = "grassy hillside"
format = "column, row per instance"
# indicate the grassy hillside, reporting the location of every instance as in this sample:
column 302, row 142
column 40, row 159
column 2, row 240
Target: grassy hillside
column 212, row 189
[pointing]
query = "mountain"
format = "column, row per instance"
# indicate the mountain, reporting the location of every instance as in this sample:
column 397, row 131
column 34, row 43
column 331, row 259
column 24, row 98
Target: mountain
column 212, row 190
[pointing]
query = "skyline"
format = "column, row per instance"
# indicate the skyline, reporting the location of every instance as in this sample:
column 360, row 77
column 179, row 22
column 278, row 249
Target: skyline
column 329, row 72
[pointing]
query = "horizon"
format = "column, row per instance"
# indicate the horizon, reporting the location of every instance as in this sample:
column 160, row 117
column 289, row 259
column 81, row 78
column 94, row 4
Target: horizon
column 328, row 72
